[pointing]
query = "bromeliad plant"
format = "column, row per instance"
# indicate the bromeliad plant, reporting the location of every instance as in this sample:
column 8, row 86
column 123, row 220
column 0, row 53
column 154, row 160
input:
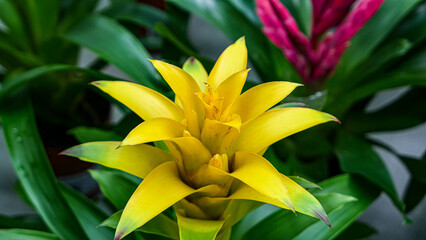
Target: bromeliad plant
column 211, row 171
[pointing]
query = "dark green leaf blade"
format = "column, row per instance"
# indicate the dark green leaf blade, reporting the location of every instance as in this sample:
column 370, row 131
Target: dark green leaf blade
column 15, row 83
column 20, row 234
column 85, row 134
column 115, row 186
column 138, row 13
column 357, row 156
column 115, row 44
column 88, row 214
column 33, row 222
column 33, row 169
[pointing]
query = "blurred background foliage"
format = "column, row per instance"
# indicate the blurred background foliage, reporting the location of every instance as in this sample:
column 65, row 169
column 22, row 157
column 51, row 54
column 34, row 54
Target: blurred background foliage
column 46, row 105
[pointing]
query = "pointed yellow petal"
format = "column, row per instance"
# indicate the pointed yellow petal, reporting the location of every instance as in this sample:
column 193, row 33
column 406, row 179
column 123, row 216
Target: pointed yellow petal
column 194, row 68
column 232, row 60
column 277, row 124
column 195, row 229
column 145, row 102
column 303, row 201
column 260, row 98
column 231, row 88
column 185, row 89
column 156, row 129
column 258, row 173
column 137, row 160
column 191, row 149
column 161, row 189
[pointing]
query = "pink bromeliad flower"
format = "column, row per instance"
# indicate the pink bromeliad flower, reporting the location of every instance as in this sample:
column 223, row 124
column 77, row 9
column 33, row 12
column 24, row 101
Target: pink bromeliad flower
column 315, row 57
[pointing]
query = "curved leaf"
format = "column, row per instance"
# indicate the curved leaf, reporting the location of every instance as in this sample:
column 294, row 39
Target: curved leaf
column 12, row 85
column 33, row 169
column 117, row 45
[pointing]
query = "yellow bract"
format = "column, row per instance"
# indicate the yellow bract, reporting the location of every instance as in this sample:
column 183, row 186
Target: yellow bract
column 216, row 136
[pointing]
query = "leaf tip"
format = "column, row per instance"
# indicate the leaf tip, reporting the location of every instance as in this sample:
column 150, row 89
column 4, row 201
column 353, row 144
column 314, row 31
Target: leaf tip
column 119, row 235
column 321, row 215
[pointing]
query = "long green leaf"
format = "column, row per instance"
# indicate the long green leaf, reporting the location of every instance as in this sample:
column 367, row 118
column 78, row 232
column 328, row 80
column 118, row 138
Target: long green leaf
column 75, row 11
column 403, row 113
column 33, row 169
column 43, row 18
column 20, row 234
column 343, row 217
column 338, row 104
column 10, row 16
column 88, row 214
column 357, row 156
column 91, row 134
column 115, row 186
column 14, row 84
column 138, row 13
column 115, row 44
column 33, row 222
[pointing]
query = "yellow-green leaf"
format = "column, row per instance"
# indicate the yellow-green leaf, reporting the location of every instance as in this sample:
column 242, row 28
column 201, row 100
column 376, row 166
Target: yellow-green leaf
column 137, row 160
column 196, row 69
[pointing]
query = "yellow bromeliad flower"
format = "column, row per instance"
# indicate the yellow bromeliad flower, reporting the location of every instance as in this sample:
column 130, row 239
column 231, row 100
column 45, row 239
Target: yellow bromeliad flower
column 213, row 173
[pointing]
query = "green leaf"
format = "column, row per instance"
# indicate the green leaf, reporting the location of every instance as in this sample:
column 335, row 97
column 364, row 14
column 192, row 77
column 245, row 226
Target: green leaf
column 43, row 15
column 161, row 225
column 12, row 19
column 414, row 194
column 343, row 217
column 368, row 38
column 33, row 222
column 17, row 82
column 403, row 113
column 267, row 59
column 382, row 58
column 20, row 234
column 141, row 14
column 115, row 186
column 85, row 134
column 166, row 33
column 303, row 182
column 194, row 229
column 75, row 10
column 88, row 214
column 337, row 197
column 357, row 156
column 412, row 27
column 357, row 230
column 117, row 45
column 340, row 103
column 33, row 169
column 247, row 7
column 416, row 167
